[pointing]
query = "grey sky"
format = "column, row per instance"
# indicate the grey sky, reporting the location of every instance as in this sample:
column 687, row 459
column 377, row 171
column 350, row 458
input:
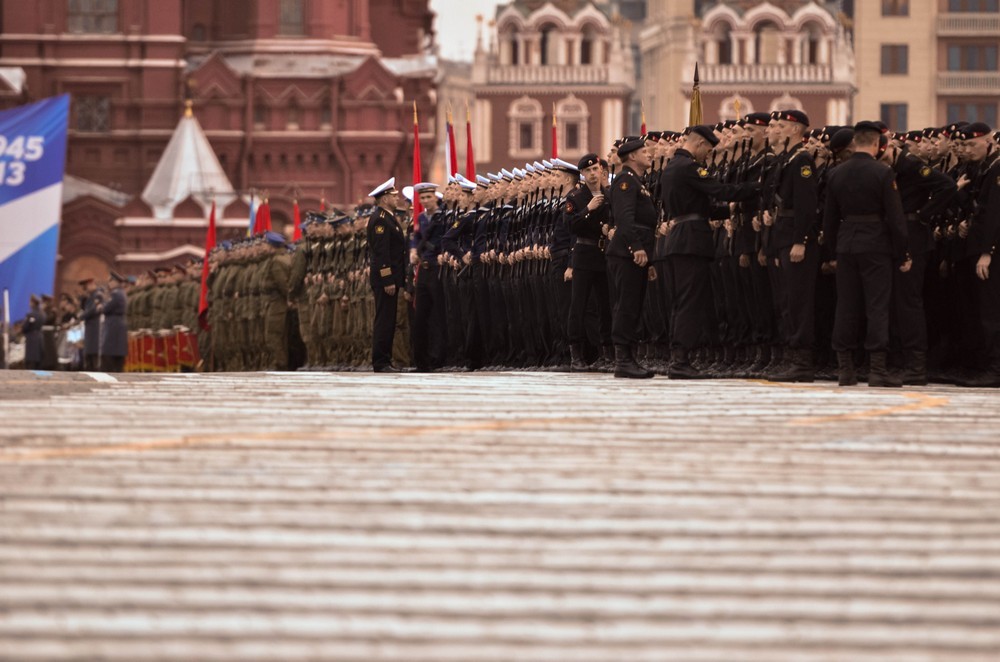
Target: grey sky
column 456, row 25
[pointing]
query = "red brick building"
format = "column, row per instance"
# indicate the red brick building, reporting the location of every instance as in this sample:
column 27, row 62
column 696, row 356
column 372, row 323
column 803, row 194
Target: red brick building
column 306, row 99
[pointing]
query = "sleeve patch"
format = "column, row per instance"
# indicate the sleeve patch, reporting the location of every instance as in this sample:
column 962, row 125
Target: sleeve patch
column 925, row 171
column 806, row 172
column 386, row 272
column 454, row 225
column 569, row 207
column 624, row 186
column 702, row 172
column 379, row 229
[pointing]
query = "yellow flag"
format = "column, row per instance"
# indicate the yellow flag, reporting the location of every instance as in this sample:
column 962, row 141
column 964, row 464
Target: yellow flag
column 696, row 115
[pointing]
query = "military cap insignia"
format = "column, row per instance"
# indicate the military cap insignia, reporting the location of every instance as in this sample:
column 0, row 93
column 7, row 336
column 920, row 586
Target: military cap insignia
column 624, row 186
column 569, row 207
column 806, row 172
column 702, row 172
column 379, row 229
column 925, row 171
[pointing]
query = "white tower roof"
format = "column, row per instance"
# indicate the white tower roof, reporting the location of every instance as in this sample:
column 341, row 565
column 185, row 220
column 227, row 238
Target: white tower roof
column 188, row 167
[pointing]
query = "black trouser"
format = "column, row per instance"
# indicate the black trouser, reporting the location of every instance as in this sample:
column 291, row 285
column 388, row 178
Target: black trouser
column 484, row 313
column 560, row 293
column 910, row 324
column 430, row 330
column 91, row 362
column 113, row 363
column 800, row 296
column 864, row 288
column 691, row 291
column 989, row 313
column 384, row 327
column 584, row 284
column 630, row 289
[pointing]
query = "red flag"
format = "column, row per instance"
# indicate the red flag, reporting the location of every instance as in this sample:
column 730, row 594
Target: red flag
column 470, row 160
column 642, row 129
column 297, row 222
column 452, row 152
column 555, row 130
column 417, row 170
column 263, row 222
column 209, row 245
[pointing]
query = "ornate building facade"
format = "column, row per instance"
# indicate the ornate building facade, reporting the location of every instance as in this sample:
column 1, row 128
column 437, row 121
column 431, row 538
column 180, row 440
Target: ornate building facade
column 569, row 58
column 763, row 55
column 299, row 99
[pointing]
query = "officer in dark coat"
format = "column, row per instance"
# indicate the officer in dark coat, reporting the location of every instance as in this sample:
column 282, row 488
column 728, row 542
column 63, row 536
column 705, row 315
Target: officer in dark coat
column 984, row 239
column 794, row 237
column 430, row 333
column 387, row 249
column 925, row 193
column 863, row 220
column 31, row 327
column 629, row 254
column 689, row 194
column 585, row 213
column 114, row 330
column 91, row 325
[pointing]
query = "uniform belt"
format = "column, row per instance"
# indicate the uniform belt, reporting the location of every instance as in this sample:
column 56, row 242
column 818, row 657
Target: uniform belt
column 915, row 218
column 600, row 243
column 688, row 218
column 786, row 213
column 863, row 218
column 48, row 328
column 562, row 252
column 425, row 264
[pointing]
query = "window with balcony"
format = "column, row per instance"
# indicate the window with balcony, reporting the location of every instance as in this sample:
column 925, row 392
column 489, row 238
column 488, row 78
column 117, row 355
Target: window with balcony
column 292, row 18
column 978, row 6
column 972, row 58
column 93, row 114
column 92, row 16
column 895, row 7
column 894, row 115
column 525, row 136
column 768, row 42
column 973, row 112
column 525, row 118
column 895, row 59
column 572, row 125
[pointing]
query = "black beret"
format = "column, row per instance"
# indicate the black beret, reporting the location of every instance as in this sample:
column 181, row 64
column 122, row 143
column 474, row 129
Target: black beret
column 975, row 130
column 118, row 277
column 867, row 125
column 913, row 136
column 841, row 139
column 758, row 119
column 587, row 161
column 793, row 116
column 931, row 132
column 653, row 135
column 705, row 132
column 630, row 146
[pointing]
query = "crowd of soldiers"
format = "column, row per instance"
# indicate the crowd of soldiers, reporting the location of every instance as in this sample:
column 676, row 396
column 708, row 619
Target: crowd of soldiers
column 754, row 248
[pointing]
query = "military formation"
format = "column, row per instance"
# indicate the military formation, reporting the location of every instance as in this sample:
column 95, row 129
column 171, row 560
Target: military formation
column 761, row 248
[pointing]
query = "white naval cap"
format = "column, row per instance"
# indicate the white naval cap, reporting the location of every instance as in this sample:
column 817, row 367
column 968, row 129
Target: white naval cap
column 408, row 193
column 384, row 188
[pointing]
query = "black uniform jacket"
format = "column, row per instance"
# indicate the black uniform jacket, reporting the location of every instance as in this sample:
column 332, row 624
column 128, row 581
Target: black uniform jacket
column 387, row 247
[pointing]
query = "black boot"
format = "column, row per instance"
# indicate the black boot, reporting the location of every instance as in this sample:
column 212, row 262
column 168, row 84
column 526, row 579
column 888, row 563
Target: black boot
column 606, row 361
column 680, row 366
column 847, row 376
column 988, row 378
column 800, row 369
column 915, row 370
column 878, row 374
column 577, row 364
column 625, row 365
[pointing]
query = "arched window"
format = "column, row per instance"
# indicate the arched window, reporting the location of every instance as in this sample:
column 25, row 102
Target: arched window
column 722, row 35
column 292, row 20
column 525, row 118
column 767, row 37
column 810, row 47
column 785, row 102
column 294, row 116
column 588, row 45
column 545, row 45
column 728, row 111
column 92, row 16
column 572, row 126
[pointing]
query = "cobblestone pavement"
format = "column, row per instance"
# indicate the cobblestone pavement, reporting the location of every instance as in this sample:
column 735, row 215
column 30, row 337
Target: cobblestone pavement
column 502, row 517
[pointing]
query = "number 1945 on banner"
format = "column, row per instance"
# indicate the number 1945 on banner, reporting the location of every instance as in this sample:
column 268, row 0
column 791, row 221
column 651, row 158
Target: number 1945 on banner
column 15, row 154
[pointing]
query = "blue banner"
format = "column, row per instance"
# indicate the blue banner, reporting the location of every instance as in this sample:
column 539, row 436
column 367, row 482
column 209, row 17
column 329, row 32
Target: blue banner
column 32, row 163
